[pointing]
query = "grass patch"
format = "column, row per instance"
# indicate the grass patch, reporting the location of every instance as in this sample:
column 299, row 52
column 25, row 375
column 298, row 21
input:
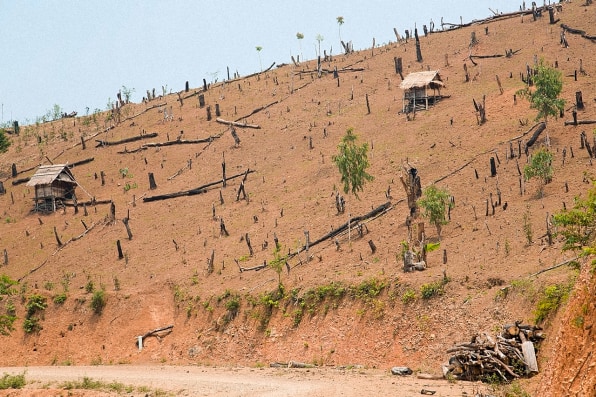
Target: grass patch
column 434, row 289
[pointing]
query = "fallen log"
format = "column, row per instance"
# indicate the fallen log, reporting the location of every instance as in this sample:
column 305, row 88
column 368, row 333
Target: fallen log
column 154, row 332
column 198, row 190
column 508, row 55
column 352, row 223
column 169, row 143
column 579, row 122
column 101, row 143
column 237, row 124
column 539, row 128
column 582, row 33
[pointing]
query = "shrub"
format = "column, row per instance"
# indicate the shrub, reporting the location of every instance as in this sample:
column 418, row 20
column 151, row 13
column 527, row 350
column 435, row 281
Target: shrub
column 408, row 297
column 12, row 381
column 6, row 284
column 352, row 162
column 60, row 298
column 430, row 290
column 435, row 203
column 552, row 297
column 98, row 301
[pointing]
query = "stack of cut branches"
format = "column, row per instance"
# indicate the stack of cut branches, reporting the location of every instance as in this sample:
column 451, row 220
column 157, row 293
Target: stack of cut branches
column 506, row 357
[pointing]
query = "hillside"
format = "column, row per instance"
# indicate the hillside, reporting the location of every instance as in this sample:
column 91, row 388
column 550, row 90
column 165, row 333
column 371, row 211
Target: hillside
column 231, row 317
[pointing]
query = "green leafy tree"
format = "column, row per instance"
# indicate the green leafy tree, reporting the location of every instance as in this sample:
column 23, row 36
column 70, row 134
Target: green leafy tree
column 4, row 141
column 435, row 202
column 352, row 162
column 545, row 97
column 540, row 167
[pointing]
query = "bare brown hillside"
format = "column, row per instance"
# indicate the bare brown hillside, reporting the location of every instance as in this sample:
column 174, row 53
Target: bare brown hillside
column 163, row 279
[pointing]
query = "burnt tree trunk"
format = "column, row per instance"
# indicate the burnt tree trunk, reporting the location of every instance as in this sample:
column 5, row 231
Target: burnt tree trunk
column 372, row 246
column 201, row 101
column 57, row 238
column 83, row 143
column 2, row 189
column 14, row 170
column 398, row 67
column 186, row 88
column 208, row 113
column 217, row 111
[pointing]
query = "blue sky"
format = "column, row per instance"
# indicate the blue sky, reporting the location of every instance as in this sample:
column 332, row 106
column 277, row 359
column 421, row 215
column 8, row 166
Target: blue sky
column 78, row 54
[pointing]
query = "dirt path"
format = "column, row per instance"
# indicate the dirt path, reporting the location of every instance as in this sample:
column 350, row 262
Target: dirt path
column 207, row 381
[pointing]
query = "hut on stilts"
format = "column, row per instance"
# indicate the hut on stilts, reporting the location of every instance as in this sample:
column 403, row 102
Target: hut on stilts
column 54, row 186
column 421, row 90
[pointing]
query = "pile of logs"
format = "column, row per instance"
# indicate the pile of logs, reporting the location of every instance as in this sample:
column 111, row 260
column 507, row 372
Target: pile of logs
column 509, row 356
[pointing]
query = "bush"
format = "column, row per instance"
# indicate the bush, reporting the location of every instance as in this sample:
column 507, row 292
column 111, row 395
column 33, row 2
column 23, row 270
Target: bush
column 4, row 141
column 60, row 299
column 408, row 297
column 553, row 296
column 430, row 290
column 98, row 301
column 12, row 381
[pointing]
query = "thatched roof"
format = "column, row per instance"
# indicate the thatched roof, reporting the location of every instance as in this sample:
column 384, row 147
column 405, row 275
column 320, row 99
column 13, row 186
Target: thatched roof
column 47, row 174
column 429, row 79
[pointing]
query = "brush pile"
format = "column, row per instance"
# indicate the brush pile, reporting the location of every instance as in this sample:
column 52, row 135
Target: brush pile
column 508, row 356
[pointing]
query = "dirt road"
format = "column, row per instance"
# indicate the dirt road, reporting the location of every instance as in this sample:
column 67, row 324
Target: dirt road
column 208, row 381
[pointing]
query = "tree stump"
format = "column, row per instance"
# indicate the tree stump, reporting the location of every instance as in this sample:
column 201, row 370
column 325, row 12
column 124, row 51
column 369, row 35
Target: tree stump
column 119, row 247
column 579, row 103
column 186, row 88
column 208, row 113
column 493, row 167
column 418, row 51
column 201, row 101
column 152, row 184
column 14, row 170
column 217, row 111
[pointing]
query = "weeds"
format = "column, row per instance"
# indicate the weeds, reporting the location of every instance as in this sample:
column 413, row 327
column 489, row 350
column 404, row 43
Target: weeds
column 552, row 297
column 35, row 304
column 431, row 290
column 408, row 297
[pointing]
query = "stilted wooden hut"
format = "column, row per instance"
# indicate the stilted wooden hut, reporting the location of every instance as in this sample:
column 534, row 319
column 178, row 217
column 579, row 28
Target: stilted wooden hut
column 54, row 185
column 417, row 90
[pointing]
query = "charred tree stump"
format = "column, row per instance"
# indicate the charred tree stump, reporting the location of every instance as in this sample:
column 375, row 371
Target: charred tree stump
column 2, row 189
column 204, row 85
column 247, row 239
column 102, row 176
column 241, row 191
column 112, row 212
column 201, row 101
column 83, row 145
column 480, row 110
column 186, row 88
column 217, row 111
column 222, row 228
column 466, row 73
column 579, row 103
column 125, row 221
column 235, row 136
column 5, row 257
column 398, row 67
column 367, row 104
column 119, row 247
column 413, row 188
column 208, row 113
column 14, row 170
column 223, row 171
column 307, row 239
column 57, row 238
column 418, row 51
column 499, row 83
column 372, row 246
column 152, row 184
column 444, row 257
column 493, row 167
column 210, row 262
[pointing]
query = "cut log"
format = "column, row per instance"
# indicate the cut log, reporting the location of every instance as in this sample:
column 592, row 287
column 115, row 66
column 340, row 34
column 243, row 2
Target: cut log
column 237, row 124
column 529, row 355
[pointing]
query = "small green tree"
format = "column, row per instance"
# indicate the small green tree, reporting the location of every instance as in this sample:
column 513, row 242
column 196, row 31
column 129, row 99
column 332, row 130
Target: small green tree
column 340, row 21
column 577, row 225
column 4, row 141
column 545, row 98
column 352, row 162
column 435, row 202
column 540, row 167
column 300, row 36
column 319, row 38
